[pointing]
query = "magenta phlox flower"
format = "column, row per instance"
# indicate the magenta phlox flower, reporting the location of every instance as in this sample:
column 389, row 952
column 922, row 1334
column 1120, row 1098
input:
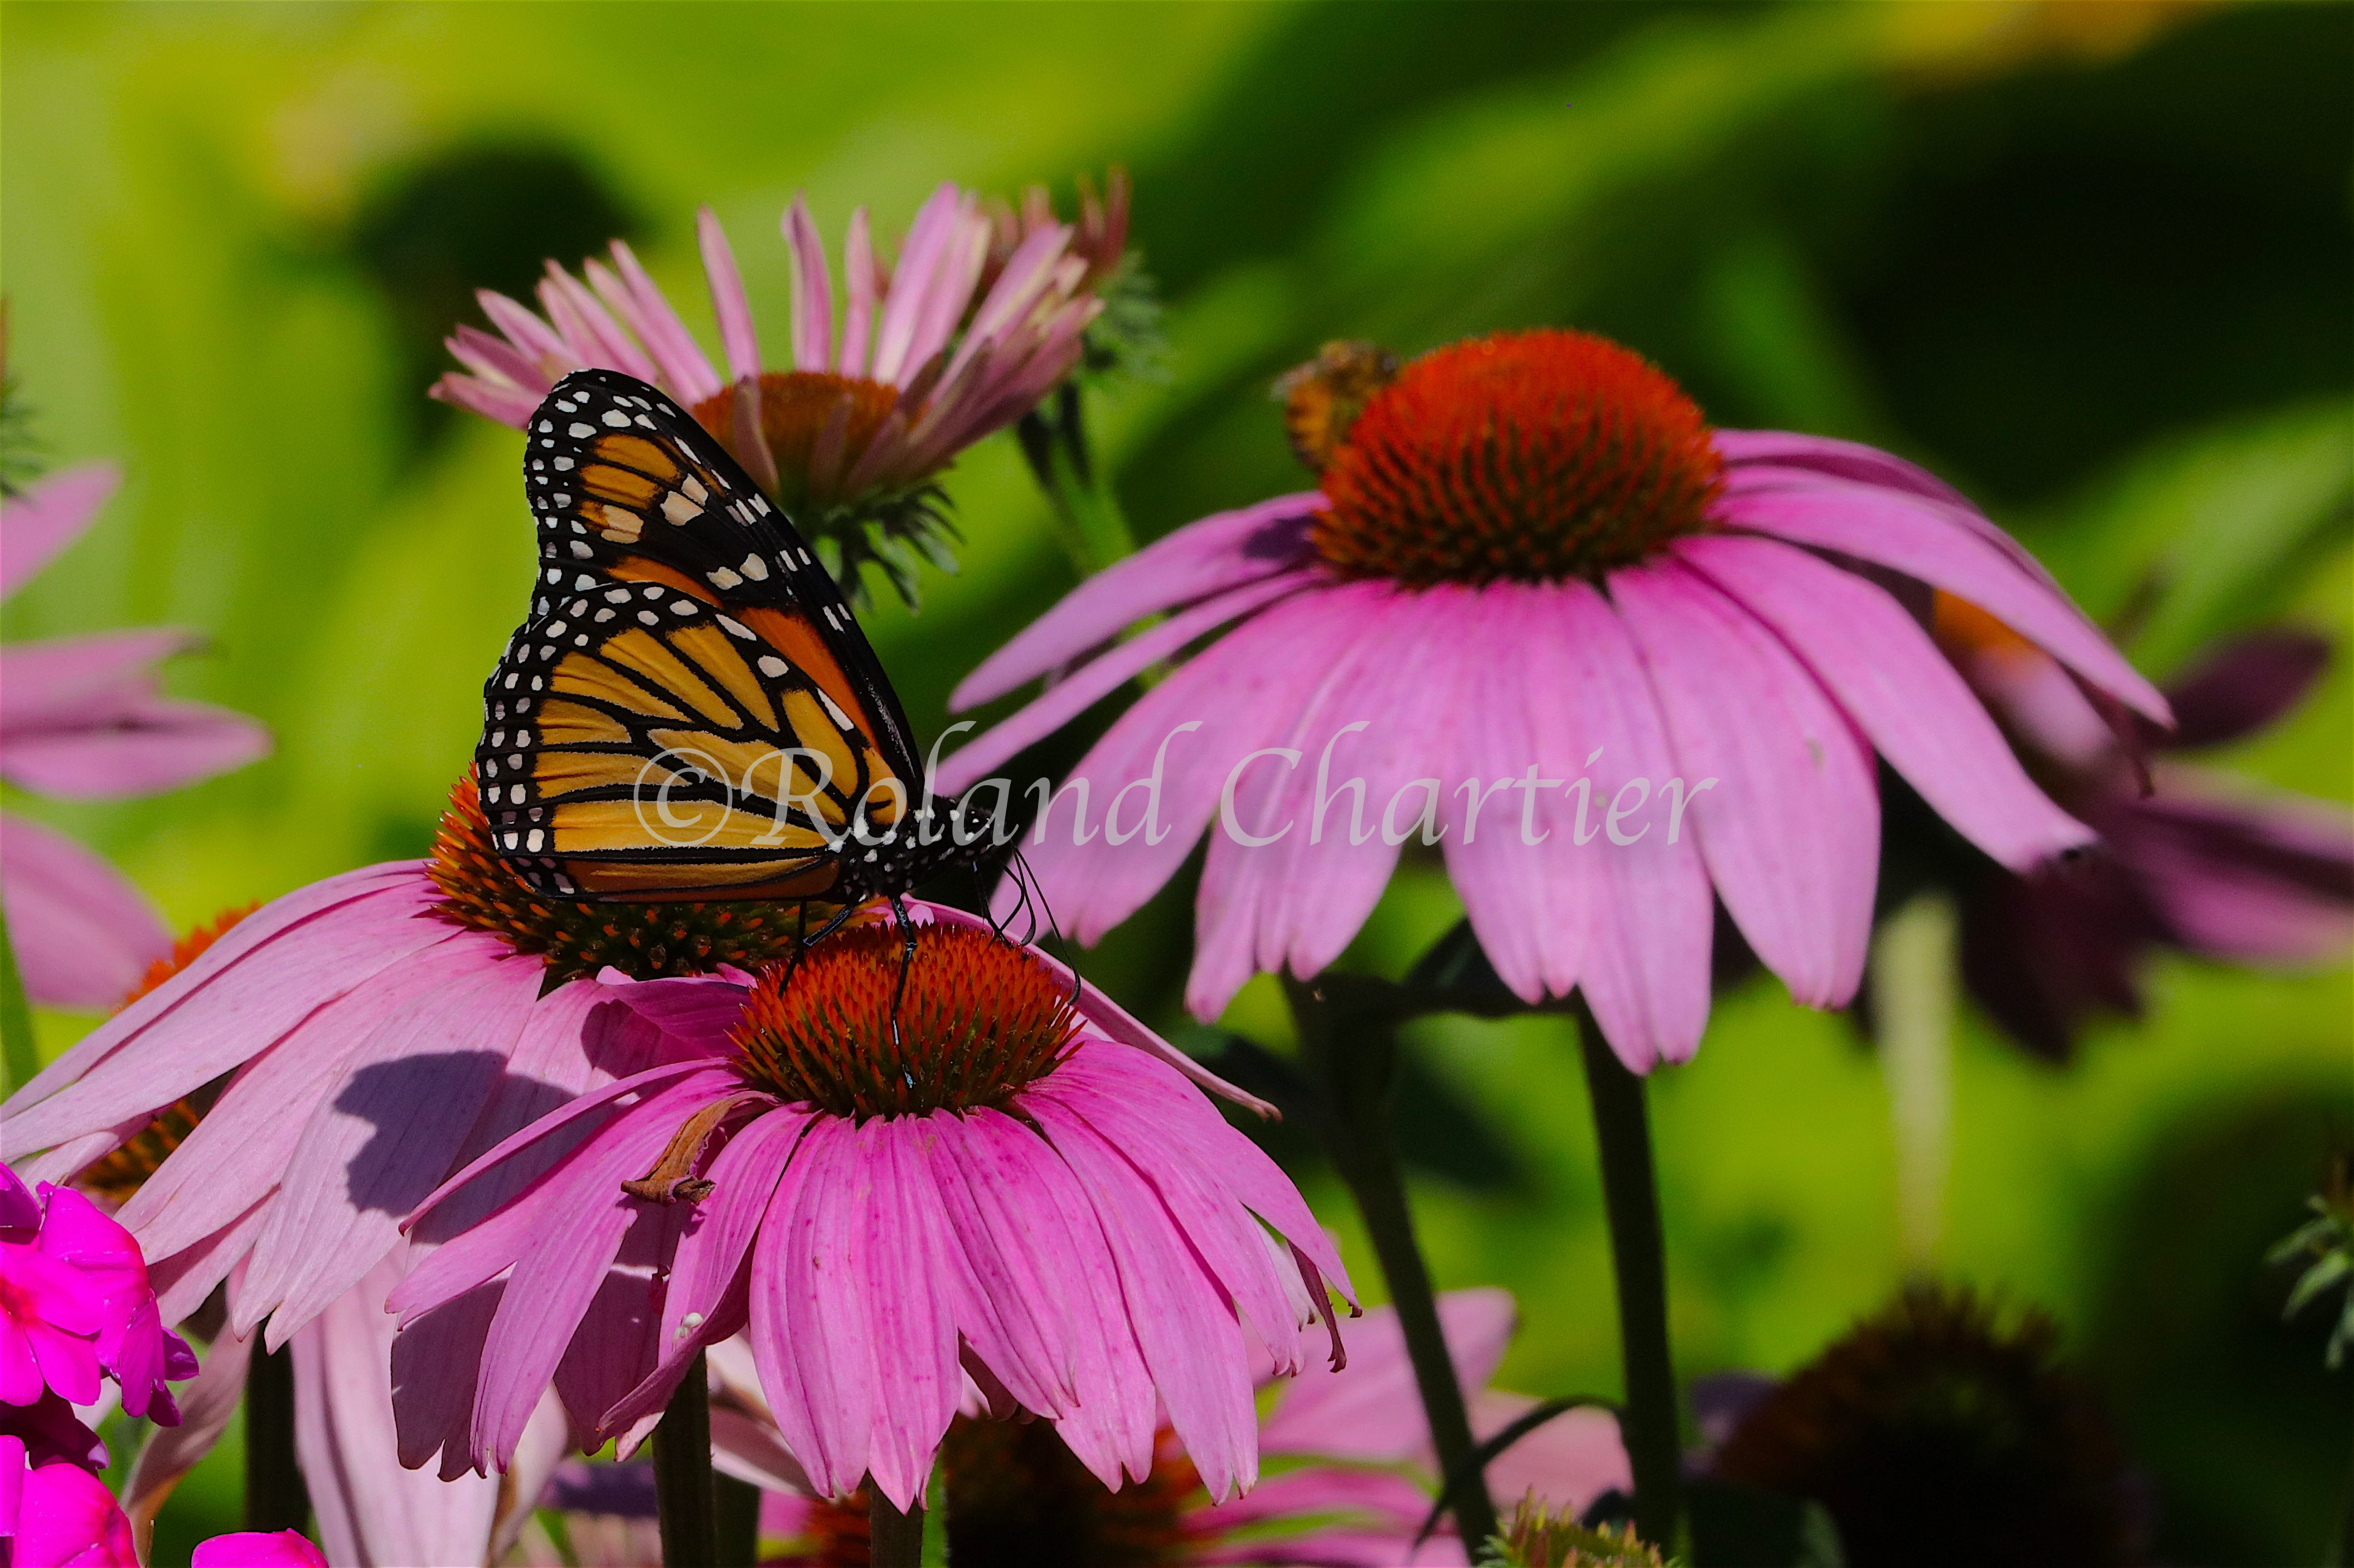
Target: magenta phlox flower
column 63, row 1517
column 75, row 1302
column 973, row 1185
column 260, row 1549
column 82, row 718
column 1613, row 664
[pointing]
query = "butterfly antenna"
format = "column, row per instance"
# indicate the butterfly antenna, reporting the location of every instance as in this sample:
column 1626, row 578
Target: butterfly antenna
column 906, row 957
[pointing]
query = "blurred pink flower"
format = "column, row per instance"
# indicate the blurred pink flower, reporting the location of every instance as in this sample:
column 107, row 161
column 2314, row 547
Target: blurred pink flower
column 257, row 1548
column 922, row 362
column 2194, row 863
column 75, row 1303
column 81, row 717
column 1354, row 1475
column 892, row 1192
column 1530, row 565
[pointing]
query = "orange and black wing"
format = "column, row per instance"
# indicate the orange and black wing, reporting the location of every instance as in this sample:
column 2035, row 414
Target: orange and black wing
column 689, row 711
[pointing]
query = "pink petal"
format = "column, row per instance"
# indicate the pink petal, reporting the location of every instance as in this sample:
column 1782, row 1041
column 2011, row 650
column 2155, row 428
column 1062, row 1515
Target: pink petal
column 49, row 516
column 371, row 1511
column 912, row 1274
column 407, row 1095
column 1745, row 451
column 1187, row 1332
column 1220, row 552
column 1879, row 665
column 83, row 935
column 160, row 743
column 895, row 333
column 1016, row 1310
column 727, row 301
column 558, row 1275
column 1923, row 541
column 71, row 682
column 1568, row 1462
column 1066, row 699
column 1372, row 1410
column 348, row 928
column 1790, row 832
column 665, row 337
column 806, row 1332
column 812, row 292
column 858, row 263
column 511, row 406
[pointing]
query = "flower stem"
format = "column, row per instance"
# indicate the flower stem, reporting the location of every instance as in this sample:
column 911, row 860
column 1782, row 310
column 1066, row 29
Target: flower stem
column 1357, row 1075
column 1093, row 529
column 735, row 1513
column 682, row 1489
column 894, row 1539
column 17, row 1056
column 275, row 1497
column 1630, row 1196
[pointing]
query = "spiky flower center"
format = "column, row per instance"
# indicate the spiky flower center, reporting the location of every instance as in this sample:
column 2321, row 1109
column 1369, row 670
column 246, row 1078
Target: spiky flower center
column 578, row 938
column 1525, row 457
column 816, row 425
column 860, row 1028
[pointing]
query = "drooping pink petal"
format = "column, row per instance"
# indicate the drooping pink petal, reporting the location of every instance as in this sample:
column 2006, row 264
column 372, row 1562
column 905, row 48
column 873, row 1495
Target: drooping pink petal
column 806, row 1337
column 1645, row 970
column 584, row 318
column 82, row 933
column 1918, row 539
column 372, row 1512
column 351, row 927
column 1568, row 1462
column 1187, row 1333
column 511, row 406
column 1747, row 451
column 1882, row 668
column 75, row 682
column 379, row 1143
column 727, row 301
column 50, row 515
column 1066, row 699
column 910, row 1273
column 2262, row 880
column 1790, row 831
column 1219, row 553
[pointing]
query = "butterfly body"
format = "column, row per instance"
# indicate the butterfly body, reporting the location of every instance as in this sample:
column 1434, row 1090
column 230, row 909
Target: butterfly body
column 690, row 712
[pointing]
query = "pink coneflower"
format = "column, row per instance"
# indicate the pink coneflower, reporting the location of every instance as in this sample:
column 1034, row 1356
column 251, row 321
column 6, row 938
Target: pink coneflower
column 1608, row 659
column 923, row 361
column 82, row 718
column 375, row 1031
column 1353, row 1482
column 2190, row 864
column 905, row 1178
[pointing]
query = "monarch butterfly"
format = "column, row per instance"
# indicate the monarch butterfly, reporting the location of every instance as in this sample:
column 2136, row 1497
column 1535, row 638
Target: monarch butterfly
column 689, row 711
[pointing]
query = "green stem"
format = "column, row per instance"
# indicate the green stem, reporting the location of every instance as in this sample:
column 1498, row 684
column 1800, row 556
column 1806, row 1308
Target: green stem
column 17, row 1056
column 1088, row 520
column 1356, row 1075
column 735, row 1512
column 1630, row 1195
column 275, row 1497
column 682, row 1489
column 894, row 1539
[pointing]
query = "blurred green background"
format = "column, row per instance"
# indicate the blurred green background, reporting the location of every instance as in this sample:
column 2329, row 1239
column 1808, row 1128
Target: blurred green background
column 2091, row 262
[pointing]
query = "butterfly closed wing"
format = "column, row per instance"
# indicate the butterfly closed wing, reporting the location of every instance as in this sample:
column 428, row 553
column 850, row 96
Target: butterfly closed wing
column 689, row 711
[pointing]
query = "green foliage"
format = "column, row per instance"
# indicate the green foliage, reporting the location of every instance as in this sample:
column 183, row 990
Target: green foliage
column 2327, row 1239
